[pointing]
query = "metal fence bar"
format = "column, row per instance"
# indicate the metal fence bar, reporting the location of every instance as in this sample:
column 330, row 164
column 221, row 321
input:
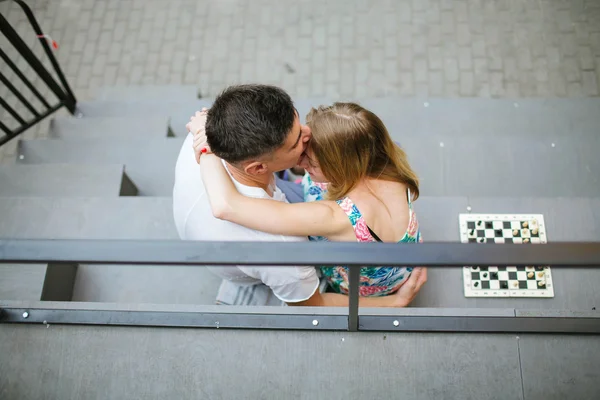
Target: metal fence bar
column 19, row 96
column 69, row 100
column 175, row 252
column 479, row 324
column 174, row 319
column 11, row 135
column 354, row 278
column 4, row 128
column 23, row 78
column 11, row 111
column 14, row 38
column 291, row 321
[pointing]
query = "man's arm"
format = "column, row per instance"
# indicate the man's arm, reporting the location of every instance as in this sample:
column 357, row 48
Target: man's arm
column 402, row 298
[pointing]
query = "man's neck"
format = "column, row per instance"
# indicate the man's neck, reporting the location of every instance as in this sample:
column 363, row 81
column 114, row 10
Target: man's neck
column 264, row 182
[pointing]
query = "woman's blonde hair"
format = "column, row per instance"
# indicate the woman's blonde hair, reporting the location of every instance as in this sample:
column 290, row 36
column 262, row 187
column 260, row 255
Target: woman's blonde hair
column 351, row 143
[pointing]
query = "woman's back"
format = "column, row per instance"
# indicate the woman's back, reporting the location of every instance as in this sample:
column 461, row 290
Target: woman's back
column 384, row 205
column 377, row 211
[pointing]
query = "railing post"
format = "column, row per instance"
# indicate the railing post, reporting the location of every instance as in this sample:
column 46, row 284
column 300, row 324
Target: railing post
column 354, row 278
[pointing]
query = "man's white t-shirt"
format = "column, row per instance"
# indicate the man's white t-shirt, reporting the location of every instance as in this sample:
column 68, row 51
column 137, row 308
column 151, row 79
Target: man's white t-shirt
column 194, row 221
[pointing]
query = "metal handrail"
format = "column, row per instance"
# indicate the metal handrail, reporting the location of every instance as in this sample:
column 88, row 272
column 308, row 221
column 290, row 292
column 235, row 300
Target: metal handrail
column 63, row 91
column 203, row 253
column 67, row 253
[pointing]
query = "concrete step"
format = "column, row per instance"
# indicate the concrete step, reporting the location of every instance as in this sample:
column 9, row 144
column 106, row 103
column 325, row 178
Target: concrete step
column 150, row 164
column 505, row 166
column 550, row 118
column 147, row 93
column 65, row 180
column 530, row 118
column 109, row 127
column 87, row 218
column 178, row 110
column 112, row 284
column 135, row 284
column 21, row 282
column 447, row 165
column 103, row 218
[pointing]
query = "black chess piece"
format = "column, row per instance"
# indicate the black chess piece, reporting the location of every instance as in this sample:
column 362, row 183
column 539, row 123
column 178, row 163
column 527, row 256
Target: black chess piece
column 494, row 275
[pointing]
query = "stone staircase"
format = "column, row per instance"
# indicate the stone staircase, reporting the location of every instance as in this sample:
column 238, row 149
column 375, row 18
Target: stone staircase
column 108, row 174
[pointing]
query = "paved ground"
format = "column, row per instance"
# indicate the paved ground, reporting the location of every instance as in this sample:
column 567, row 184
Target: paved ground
column 338, row 48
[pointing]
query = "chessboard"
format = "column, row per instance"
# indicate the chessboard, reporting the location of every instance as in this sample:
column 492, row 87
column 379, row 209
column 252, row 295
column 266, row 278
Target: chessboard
column 505, row 281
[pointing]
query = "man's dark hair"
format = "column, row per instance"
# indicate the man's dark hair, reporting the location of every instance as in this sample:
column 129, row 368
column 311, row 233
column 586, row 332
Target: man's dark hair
column 248, row 121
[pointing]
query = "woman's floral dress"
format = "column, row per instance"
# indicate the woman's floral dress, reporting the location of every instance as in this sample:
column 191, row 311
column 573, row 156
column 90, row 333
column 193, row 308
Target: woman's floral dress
column 374, row 281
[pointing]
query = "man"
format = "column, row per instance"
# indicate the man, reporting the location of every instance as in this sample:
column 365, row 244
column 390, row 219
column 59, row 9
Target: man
column 256, row 130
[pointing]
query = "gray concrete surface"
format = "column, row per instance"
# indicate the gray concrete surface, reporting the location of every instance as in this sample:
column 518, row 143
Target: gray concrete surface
column 560, row 367
column 102, row 218
column 145, row 284
column 149, row 163
column 64, row 180
column 109, row 128
column 189, row 363
column 86, row 218
column 96, row 363
column 22, row 282
column 465, row 165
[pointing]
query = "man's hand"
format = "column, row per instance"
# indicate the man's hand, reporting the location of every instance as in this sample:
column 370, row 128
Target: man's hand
column 197, row 126
column 408, row 291
column 402, row 298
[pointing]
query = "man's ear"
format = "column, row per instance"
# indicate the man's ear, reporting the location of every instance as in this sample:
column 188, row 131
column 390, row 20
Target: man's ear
column 256, row 168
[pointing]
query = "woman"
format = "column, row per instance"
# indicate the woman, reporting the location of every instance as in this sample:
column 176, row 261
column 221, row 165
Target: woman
column 359, row 187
